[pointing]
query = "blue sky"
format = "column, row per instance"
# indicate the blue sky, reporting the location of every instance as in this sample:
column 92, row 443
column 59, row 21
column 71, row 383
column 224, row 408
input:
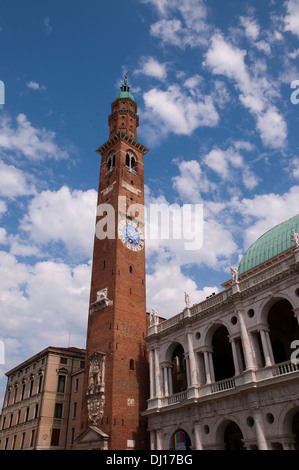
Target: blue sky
column 213, row 87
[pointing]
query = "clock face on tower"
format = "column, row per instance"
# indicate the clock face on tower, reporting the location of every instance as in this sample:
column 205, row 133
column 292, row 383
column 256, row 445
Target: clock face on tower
column 131, row 235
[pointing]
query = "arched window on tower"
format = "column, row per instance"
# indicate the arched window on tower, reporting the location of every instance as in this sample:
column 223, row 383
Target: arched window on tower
column 111, row 161
column 131, row 162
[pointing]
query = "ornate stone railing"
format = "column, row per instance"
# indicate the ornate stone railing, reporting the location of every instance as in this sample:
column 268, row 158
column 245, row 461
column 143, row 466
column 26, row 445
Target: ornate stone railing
column 223, row 385
column 284, row 368
column 177, row 397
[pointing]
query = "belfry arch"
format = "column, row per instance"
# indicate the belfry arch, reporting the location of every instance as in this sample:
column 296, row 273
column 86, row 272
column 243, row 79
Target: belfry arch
column 283, row 329
column 179, row 371
column 230, row 436
column 222, row 354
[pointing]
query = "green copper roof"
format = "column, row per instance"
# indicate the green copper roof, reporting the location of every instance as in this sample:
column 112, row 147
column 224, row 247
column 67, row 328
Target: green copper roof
column 124, row 90
column 272, row 243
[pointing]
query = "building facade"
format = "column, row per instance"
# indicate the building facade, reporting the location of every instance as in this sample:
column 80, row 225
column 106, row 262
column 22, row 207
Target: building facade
column 36, row 408
column 224, row 373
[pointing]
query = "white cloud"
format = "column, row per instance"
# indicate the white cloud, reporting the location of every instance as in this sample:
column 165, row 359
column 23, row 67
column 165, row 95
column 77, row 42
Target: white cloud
column 48, row 299
column 3, row 234
column 62, row 216
column 175, row 111
column 47, row 25
column 3, row 207
column 168, row 299
column 295, row 168
column 188, row 27
column 218, row 245
column 191, row 182
column 251, row 27
column 14, row 182
column 256, row 90
column 272, row 127
column 264, row 211
column 33, row 143
column 291, row 20
column 35, row 86
column 152, row 68
column 225, row 162
column 225, row 59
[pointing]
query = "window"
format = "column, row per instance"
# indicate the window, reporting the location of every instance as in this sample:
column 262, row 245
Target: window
column 76, row 385
column 75, row 409
column 131, row 269
column 72, row 436
column 61, row 384
column 111, row 161
column 31, row 387
column 36, row 411
column 63, row 360
column 16, row 392
column 23, row 391
column 131, row 161
column 23, row 440
column 58, row 411
column 27, row 414
column 55, row 437
column 131, row 364
column 32, row 438
column 40, row 380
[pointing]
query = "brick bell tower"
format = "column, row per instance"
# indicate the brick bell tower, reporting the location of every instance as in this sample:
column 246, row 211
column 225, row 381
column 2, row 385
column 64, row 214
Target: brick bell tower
column 116, row 371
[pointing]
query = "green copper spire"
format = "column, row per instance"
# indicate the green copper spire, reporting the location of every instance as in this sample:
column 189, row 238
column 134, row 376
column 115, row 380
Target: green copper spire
column 125, row 90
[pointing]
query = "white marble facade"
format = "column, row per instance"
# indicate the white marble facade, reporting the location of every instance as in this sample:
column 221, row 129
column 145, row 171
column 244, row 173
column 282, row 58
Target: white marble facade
column 225, row 371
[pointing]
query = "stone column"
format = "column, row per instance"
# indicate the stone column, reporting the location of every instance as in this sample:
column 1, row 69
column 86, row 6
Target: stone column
column 152, row 374
column 259, row 429
column 296, row 313
column 153, row 440
column 209, row 366
column 265, row 344
column 197, row 436
column 188, row 370
column 245, row 341
column 157, row 373
column 159, row 435
column 170, row 381
column 235, row 356
column 165, row 378
column 192, row 362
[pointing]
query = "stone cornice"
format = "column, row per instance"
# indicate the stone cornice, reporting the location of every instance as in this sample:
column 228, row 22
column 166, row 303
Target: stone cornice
column 121, row 135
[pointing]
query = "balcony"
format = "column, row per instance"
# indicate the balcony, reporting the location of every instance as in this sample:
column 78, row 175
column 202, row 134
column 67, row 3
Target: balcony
column 231, row 385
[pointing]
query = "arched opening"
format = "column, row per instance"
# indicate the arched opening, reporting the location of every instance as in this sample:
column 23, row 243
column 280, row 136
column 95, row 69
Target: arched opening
column 283, row 330
column 222, row 355
column 233, row 437
column 131, row 162
column 179, row 374
column 111, row 161
column 295, row 429
column 180, row 440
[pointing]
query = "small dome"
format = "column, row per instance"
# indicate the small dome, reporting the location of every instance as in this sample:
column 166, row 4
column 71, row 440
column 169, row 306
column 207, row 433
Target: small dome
column 125, row 90
column 272, row 243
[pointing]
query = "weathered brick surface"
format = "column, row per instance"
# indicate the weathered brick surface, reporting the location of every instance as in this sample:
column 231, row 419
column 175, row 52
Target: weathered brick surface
column 119, row 330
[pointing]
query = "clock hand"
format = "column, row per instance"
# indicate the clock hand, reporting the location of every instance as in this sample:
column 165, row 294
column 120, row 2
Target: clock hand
column 130, row 235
